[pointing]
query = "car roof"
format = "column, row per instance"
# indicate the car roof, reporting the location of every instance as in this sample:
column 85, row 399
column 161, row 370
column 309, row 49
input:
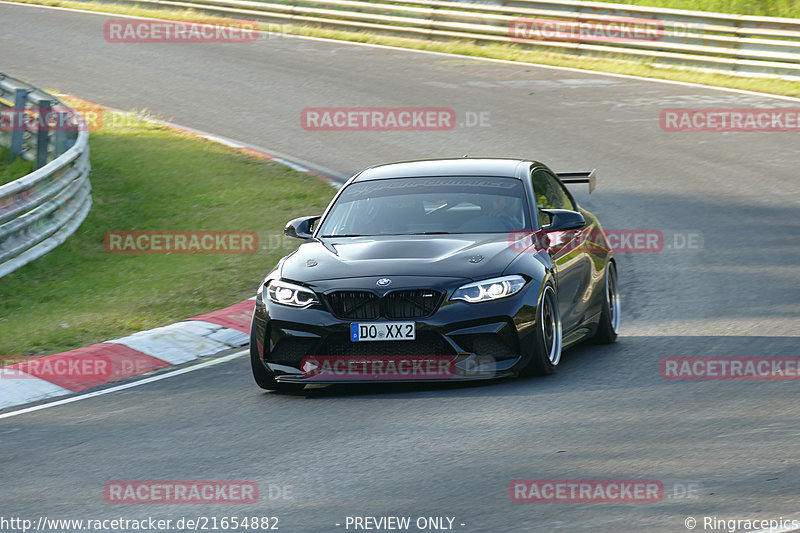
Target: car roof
column 462, row 166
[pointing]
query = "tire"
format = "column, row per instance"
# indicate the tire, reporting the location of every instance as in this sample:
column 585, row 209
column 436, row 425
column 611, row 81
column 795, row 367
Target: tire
column 264, row 377
column 610, row 316
column 547, row 339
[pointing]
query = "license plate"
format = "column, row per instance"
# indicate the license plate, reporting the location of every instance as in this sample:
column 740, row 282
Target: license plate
column 382, row 331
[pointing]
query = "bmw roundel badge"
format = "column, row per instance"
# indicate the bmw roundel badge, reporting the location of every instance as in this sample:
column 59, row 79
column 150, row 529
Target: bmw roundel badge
column 384, row 282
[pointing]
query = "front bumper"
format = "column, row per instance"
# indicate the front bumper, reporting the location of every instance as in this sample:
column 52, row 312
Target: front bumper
column 478, row 341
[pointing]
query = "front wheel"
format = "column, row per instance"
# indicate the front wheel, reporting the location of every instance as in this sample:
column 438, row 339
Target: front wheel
column 610, row 316
column 547, row 340
column 264, row 377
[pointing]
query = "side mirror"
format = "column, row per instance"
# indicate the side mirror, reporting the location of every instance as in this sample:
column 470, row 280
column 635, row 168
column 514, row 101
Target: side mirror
column 563, row 219
column 300, row 228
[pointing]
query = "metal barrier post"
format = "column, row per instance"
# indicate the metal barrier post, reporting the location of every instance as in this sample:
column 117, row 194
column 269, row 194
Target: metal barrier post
column 43, row 134
column 60, row 133
column 18, row 118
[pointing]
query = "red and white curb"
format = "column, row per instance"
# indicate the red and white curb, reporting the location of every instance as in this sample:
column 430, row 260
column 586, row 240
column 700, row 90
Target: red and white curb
column 143, row 352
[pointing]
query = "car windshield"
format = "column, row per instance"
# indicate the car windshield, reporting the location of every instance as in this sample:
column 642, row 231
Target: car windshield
column 428, row 206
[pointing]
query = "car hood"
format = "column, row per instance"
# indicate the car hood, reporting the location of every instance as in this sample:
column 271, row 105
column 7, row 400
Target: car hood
column 474, row 256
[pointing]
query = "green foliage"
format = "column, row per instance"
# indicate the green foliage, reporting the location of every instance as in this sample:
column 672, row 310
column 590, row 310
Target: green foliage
column 761, row 8
column 12, row 168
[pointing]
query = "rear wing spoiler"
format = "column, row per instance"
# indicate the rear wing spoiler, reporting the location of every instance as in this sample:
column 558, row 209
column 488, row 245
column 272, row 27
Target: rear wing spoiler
column 579, row 177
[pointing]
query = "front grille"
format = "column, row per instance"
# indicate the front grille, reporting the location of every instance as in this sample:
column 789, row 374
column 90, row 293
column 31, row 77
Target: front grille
column 412, row 303
column 426, row 343
column 357, row 305
column 403, row 304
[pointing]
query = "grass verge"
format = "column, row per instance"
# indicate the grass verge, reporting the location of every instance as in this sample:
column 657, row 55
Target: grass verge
column 149, row 177
column 12, row 168
column 510, row 52
column 758, row 8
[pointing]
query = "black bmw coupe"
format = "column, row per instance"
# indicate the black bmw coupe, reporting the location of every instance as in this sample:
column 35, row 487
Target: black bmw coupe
column 437, row 270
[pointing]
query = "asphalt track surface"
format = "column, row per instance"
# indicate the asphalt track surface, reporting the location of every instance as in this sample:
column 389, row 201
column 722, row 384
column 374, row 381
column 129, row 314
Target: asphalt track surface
column 451, row 450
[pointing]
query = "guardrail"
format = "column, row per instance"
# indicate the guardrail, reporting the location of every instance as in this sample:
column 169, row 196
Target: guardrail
column 40, row 210
column 734, row 44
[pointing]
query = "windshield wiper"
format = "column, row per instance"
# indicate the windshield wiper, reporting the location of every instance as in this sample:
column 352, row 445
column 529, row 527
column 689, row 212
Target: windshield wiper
column 431, row 233
column 345, row 235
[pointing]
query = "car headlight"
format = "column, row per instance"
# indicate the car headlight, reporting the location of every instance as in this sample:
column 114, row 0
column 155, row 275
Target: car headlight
column 490, row 289
column 290, row 294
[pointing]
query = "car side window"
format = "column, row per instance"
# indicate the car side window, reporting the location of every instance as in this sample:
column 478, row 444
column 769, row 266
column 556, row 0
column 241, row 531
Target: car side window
column 550, row 194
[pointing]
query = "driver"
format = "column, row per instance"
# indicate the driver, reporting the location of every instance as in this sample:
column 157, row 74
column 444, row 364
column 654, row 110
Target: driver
column 498, row 208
